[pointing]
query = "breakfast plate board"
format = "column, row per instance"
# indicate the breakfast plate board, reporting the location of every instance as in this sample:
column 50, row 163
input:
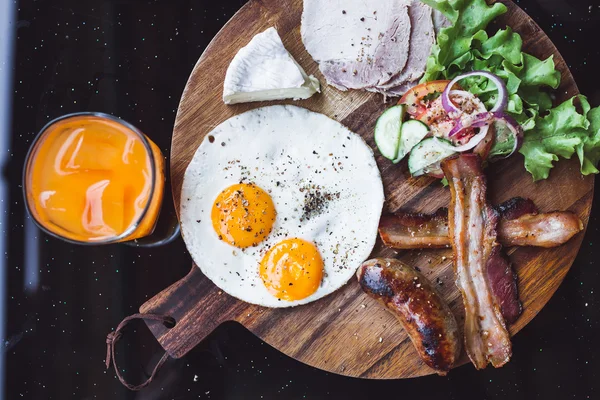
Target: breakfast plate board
column 347, row 332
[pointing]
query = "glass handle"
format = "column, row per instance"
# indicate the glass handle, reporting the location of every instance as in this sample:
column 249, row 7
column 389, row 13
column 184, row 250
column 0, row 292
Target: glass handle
column 167, row 230
column 167, row 227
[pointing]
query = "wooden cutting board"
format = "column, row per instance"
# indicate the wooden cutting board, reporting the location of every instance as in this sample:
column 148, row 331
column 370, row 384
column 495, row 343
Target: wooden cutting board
column 347, row 332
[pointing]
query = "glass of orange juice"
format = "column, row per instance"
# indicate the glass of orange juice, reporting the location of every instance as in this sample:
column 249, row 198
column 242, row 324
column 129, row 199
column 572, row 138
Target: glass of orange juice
column 91, row 178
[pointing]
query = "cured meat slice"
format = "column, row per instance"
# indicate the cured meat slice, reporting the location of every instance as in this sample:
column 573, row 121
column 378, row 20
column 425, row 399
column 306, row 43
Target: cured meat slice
column 415, row 231
column 422, row 37
column 472, row 230
column 516, row 207
column 503, row 283
column 541, row 230
column 439, row 21
column 520, row 225
column 357, row 44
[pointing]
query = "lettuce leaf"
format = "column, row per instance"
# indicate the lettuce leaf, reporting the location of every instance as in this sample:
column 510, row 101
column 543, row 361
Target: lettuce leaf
column 466, row 46
column 589, row 150
column 504, row 43
column 538, row 73
column 560, row 133
column 550, row 133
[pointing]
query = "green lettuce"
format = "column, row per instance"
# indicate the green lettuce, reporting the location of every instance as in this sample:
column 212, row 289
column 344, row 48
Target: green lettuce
column 560, row 133
column 550, row 133
column 588, row 150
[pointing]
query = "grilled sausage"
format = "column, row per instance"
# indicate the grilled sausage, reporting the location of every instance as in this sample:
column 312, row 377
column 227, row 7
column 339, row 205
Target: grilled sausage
column 413, row 300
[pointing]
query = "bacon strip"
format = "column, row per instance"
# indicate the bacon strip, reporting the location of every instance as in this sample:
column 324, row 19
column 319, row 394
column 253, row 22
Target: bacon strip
column 520, row 225
column 516, row 207
column 415, row 231
column 503, row 282
column 472, row 231
column 541, row 230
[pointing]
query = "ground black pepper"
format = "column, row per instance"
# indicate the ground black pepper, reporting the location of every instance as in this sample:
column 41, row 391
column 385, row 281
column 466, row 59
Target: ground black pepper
column 315, row 201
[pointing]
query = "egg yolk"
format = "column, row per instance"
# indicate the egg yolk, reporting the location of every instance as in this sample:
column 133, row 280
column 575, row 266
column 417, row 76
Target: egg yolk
column 243, row 215
column 292, row 269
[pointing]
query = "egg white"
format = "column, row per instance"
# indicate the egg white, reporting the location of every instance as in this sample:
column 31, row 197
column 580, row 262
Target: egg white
column 283, row 149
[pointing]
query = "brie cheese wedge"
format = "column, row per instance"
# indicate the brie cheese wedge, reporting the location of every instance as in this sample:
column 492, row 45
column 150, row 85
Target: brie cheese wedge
column 265, row 70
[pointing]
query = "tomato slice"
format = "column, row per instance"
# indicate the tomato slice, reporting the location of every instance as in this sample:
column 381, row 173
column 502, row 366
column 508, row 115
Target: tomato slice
column 413, row 99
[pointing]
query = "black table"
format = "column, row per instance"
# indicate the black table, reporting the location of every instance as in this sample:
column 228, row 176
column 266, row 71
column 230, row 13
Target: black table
column 131, row 58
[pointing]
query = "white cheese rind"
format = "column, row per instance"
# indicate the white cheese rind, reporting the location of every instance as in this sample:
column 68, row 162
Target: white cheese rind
column 265, row 70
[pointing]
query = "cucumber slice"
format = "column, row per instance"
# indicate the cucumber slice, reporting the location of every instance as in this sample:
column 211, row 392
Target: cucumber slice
column 425, row 157
column 504, row 141
column 411, row 133
column 387, row 131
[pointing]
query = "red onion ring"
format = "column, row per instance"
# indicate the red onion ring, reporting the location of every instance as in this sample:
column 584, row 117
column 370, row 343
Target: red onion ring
column 477, row 121
column 483, row 121
column 501, row 103
column 470, row 144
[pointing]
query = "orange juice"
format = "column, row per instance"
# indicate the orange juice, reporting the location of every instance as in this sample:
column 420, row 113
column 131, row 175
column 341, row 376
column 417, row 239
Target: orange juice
column 92, row 178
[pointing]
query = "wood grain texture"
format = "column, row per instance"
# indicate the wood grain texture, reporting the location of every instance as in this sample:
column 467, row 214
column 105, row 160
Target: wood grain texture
column 347, row 332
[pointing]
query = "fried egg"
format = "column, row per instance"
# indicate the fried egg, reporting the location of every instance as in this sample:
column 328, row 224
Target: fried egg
column 280, row 205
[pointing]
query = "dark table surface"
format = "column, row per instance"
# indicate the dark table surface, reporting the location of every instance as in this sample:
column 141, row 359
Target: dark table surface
column 131, row 58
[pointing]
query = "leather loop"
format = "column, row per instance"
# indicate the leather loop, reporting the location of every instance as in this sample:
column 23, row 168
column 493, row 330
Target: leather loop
column 113, row 337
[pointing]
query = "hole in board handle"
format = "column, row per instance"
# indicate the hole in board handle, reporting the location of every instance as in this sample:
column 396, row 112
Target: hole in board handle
column 169, row 323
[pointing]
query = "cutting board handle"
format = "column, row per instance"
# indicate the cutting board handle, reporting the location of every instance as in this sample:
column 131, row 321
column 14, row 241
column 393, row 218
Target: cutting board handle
column 186, row 301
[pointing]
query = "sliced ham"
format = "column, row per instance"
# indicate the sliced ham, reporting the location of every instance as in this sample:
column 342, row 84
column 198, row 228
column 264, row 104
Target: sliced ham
column 358, row 44
column 422, row 37
column 378, row 45
column 401, row 89
column 439, row 21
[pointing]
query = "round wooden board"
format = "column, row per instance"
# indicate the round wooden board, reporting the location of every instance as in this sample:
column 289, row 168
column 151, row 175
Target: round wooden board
column 347, row 332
